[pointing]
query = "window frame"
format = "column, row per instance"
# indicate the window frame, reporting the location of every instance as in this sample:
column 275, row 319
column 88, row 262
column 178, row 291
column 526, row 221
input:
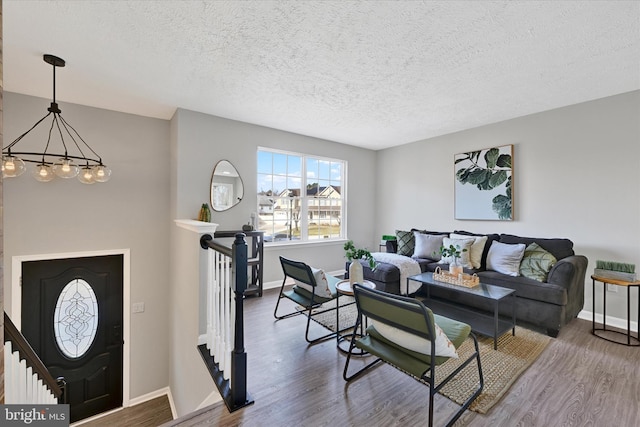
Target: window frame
column 303, row 199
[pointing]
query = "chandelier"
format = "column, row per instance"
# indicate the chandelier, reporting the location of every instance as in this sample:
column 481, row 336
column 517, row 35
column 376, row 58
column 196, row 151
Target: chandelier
column 82, row 162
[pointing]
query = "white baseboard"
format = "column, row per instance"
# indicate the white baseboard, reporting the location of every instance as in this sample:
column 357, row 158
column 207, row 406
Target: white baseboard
column 615, row 322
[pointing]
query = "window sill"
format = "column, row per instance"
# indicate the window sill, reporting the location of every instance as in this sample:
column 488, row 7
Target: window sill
column 322, row 242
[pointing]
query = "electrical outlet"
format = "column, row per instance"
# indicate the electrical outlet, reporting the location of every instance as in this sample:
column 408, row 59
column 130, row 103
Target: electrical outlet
column 137, row 307
column 611, row 288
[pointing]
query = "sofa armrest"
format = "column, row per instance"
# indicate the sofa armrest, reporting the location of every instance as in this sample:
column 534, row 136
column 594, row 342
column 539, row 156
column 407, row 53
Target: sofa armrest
column 570, row 273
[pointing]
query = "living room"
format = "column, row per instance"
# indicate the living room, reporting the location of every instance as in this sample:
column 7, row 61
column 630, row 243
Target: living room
column 575, row 171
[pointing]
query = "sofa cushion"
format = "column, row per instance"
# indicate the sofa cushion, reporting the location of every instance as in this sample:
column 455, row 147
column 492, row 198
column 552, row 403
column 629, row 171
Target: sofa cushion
column 477, row 248
column 536, row 263
column 490, row 238
column 505, row 258
column 406, row 242
column 527, row 288
column 560, row 248
column 427, row 245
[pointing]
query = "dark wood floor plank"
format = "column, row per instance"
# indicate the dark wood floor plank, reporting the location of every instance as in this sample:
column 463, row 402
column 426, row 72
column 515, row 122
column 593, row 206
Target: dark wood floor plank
column 148, row 414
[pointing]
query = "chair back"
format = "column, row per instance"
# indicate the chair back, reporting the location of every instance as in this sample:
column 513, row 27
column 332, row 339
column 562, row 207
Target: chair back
column 298, row 271
column 407, row 314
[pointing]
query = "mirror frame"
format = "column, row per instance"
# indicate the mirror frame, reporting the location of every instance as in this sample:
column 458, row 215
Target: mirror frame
column 236, row 199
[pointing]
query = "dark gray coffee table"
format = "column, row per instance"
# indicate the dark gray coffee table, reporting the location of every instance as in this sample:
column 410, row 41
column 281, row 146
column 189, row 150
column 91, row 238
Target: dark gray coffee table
column 480, row 322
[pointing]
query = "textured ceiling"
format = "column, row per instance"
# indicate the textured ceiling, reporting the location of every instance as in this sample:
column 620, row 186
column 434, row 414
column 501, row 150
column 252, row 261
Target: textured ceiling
column 368, row 73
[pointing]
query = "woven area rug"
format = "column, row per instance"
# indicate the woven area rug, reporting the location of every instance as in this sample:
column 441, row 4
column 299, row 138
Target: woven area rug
column 501, row 367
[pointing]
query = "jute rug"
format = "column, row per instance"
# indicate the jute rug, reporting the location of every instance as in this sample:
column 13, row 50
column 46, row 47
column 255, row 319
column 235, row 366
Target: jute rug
column 501, row 367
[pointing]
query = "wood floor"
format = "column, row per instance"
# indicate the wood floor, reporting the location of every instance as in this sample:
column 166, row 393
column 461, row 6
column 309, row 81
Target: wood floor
column 579, row 380
column 148, row 414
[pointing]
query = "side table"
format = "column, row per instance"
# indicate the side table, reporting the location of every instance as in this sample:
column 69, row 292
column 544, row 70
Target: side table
column 631, row 340
column 343, row 287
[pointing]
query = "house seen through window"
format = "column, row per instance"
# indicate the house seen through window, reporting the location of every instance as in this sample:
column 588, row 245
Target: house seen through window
column 300, row 197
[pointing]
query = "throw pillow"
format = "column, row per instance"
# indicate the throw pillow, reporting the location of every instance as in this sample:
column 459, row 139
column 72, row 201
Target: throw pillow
column 444, row 346
column 322, row 286
column 536, row 263
column 464, row 259
column 406, row 242
column 505, row 258
column 427, row 245
column 475, row 254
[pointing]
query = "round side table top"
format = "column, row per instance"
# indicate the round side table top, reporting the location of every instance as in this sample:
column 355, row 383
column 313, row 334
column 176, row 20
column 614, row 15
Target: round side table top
column 344, row 287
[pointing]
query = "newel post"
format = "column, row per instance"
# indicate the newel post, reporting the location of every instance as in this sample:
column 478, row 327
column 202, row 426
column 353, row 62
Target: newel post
column 239, row 356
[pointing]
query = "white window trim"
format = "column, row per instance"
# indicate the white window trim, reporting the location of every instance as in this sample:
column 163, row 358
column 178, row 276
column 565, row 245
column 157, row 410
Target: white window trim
column 343, row 192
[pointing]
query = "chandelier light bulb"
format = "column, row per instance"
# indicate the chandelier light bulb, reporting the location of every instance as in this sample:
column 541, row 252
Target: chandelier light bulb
column 12, row 166
column 65, row 168
column 101, row 173
column 86, row 175
column 43, row 173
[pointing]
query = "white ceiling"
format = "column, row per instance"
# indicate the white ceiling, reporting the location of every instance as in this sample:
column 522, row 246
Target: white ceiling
column 368, row 73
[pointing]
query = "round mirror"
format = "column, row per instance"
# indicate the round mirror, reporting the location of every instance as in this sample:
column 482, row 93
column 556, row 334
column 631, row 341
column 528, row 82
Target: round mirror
column 227, row 189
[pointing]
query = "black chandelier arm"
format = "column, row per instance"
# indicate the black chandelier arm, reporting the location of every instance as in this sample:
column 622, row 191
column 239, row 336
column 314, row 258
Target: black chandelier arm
column 87, row 160
column 8, row 147
column 68, row 126
column 57, row 123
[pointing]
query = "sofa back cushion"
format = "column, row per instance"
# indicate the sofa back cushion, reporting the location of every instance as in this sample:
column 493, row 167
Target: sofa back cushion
column 560, row 248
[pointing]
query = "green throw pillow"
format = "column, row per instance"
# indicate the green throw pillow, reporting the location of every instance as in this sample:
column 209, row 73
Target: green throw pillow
column 536, row 263
column 406, row 242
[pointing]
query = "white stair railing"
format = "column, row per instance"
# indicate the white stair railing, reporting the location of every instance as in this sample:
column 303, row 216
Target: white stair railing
column 27, row 380
column 22, row 385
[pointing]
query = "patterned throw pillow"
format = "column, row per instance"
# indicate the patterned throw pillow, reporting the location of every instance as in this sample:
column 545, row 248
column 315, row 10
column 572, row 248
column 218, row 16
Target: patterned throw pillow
column 406, row 242
column 536, row 263
column 322, row 285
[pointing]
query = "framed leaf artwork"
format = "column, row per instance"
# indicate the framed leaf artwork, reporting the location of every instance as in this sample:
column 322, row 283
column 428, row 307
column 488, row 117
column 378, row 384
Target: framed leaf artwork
column 484, row 184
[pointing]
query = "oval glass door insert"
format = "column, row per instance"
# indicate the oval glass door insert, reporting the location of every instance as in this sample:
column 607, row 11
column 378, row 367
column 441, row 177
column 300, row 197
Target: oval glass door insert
column 75, row 320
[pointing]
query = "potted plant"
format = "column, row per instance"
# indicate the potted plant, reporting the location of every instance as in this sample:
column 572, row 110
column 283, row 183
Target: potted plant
column 354, row 255
column 453, row 252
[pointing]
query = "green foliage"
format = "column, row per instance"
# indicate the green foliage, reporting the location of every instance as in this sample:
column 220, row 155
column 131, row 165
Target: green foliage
column 489, row 176
column 452, row 251
column 616, row 266
column 351, row 252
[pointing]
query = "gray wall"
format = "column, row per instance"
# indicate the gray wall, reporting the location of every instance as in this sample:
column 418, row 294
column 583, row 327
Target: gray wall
column 576, row 175
column 203, row 140
column 198, row 142
column 130, row 211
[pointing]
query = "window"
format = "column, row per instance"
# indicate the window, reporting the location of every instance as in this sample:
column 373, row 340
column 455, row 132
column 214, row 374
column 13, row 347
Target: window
column 300, row 197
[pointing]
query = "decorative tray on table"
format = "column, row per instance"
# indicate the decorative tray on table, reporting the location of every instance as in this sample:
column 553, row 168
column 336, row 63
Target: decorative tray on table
column 462, row 279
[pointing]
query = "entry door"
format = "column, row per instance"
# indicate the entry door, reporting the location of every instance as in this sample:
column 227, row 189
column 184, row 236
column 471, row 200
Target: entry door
column 72, row 317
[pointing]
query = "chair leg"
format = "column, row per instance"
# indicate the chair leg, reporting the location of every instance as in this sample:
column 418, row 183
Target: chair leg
column 280, row 297
column 350, row 353
column 471, row 398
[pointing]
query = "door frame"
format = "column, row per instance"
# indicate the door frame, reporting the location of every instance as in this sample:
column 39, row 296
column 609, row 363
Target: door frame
column 16, row 299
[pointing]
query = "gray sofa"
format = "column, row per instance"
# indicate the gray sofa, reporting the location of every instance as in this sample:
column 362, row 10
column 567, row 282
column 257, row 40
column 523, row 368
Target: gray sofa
column 548, row 305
